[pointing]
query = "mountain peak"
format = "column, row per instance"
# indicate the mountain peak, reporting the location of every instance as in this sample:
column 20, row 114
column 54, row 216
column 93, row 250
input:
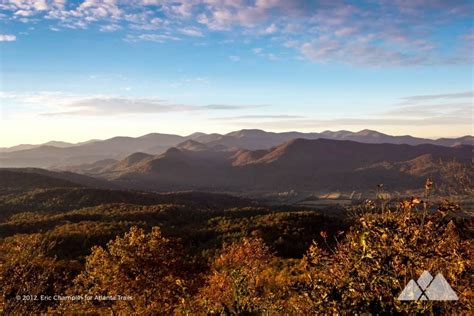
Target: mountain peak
column 369, row 132
column 59, row 144
column 155, row 135
column 192, row 145
column 173, row 151
column 196, row 134
column 136, row 157
column 247, row 133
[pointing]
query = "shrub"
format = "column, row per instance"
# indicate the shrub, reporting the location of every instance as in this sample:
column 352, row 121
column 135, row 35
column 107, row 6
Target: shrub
column 148, row 268
column 27, row 271
column 236, row 284
column 379, row 256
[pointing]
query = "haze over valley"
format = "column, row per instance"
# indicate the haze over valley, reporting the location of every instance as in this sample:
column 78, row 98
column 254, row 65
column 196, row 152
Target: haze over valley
column 251, row 161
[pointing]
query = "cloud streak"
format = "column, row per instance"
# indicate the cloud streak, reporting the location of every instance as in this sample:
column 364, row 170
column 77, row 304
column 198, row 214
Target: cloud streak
column 60, row 104
column 429, row 97
column 416, row 112
column 258, row 117
column 7, row 38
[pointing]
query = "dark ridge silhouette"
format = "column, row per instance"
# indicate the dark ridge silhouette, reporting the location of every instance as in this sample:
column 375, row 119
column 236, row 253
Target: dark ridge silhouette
column 297, row 164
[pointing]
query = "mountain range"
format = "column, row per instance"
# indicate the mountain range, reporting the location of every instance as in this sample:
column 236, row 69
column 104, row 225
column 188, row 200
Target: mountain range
column 94, row 155
column 298, row 164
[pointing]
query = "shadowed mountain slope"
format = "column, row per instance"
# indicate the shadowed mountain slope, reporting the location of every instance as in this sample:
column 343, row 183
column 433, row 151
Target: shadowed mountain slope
column 62, row 156
column 15, row 179
column 298, row 164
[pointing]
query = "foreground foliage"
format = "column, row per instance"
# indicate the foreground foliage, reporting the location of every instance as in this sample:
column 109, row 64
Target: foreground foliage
column 129, row 258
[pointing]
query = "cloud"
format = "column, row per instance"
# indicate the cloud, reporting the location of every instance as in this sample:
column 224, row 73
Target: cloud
column 345, row 31
column 192, row 31
column 429, row 97
column 260, row 52
column 431, row 110
column 110, row 28
column 362, row 52
column 463, row 123
column 158, row 38
column 377, row 33
column 7, row 38
column 417, row 113
column 234, row 58
column 258, row 117
column 271, row 29
column 234, row 106
column 102, row 106
column 24, row 13
column 61, row 104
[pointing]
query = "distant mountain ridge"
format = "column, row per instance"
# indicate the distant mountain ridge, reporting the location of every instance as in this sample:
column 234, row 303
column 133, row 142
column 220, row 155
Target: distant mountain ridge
column 62, row 155
column 299, row 164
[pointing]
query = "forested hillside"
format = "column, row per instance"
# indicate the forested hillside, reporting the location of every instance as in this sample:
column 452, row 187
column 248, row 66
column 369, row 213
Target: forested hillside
column 70, row 249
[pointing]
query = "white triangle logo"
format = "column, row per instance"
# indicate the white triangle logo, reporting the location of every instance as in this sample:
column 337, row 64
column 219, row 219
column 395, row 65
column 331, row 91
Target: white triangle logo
column 428, row 288
column 411, row 292
column 440, row 290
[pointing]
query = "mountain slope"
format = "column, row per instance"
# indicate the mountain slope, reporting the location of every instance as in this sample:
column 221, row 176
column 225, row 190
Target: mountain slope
column 302, row 164
column 114, row 148
column 39, row 178
column 47, row 156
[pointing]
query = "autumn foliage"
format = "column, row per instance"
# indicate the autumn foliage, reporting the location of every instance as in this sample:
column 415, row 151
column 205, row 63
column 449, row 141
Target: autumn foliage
column 146, row 272
column 233, row 262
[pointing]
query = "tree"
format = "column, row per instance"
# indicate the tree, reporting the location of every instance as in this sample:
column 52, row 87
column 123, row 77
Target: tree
column 379, row 256
column 27, row 271
column 236, row 283
column 139, row 273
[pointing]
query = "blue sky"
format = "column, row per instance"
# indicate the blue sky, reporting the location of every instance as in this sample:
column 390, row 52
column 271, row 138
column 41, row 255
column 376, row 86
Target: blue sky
column 76, row 70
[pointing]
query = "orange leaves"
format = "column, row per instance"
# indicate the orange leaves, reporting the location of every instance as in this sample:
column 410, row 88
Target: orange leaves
column 428, row 184
column 412, row 202
column 237, row 283
column 372, row 264
column 145, row 266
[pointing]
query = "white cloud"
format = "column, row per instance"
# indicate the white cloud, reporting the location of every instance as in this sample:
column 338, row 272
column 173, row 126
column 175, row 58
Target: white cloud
column 110, row 28
column 345, row 31
column 63, row 104
column 323, row 31
column 428, row 97
column 24, row 13
column 361, row 52
column 260, row 52
column 271, row 29
column 192, row 31
column 7, row 38
column 234, row 58
column 158, row 38
column 259, row 117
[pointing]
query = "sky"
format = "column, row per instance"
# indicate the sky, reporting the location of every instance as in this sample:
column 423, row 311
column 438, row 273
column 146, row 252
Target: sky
column 74, row 70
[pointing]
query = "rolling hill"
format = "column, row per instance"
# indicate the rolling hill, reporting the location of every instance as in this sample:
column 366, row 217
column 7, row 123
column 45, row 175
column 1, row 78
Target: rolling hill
column 19, row 179
column 71, row 156
column 297, row 164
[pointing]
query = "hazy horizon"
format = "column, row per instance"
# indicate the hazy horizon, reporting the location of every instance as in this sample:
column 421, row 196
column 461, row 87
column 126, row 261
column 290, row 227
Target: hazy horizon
column 221, row 133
